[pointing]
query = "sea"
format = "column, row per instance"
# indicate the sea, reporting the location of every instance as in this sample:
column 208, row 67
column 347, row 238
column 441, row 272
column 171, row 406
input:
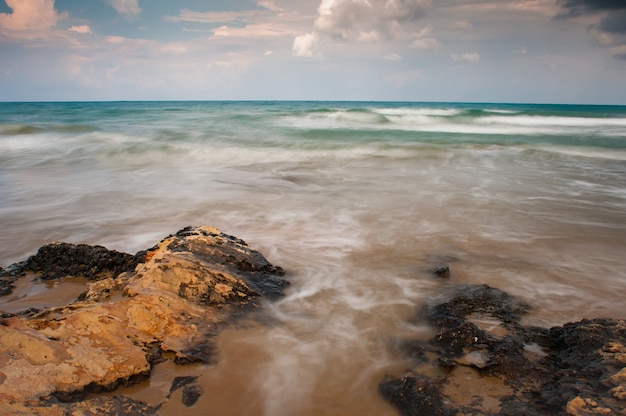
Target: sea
column 358, row 201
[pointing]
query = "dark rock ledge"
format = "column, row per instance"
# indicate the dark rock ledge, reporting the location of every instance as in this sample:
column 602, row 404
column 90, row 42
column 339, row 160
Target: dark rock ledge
column 482, row 361
column 170, row 299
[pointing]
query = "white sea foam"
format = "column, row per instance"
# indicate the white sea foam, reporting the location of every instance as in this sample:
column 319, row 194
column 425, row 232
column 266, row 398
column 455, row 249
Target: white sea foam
column 412, row 112
column 520, row 120
column 581, row 151
column 499, row 111
column 507, row 122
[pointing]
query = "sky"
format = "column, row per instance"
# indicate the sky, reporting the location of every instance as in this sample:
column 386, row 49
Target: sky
column 528, row 51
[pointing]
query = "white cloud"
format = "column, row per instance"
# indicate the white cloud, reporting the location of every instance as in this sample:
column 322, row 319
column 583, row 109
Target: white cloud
column 269, row 4
column 127, row 7
column 425, row 44
column 393, row 57
column 115, row 39
column 250, row 24
column 349, row 18
column 251, row 31
column 467, row 57
column 424, row 40
column 521, row 50
column 187, row 15
column 175, row 48
column 30, row 15
column 361, row 20
column 83, row 29
column 369, row 36
column 304, row 45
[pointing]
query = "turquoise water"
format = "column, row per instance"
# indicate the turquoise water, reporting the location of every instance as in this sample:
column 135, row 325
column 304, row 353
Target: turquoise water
column 356, row 200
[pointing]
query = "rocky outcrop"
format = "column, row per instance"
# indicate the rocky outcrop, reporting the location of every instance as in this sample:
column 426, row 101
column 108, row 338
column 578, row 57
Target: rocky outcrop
column 172, row 298
column 483, row 361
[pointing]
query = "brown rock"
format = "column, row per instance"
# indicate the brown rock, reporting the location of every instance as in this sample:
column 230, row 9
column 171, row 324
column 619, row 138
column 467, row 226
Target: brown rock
column 192, row 283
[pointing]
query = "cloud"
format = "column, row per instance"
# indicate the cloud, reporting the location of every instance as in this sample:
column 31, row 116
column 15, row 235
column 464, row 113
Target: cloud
column 575, row 8
column 269, row 4
column 424, row 40
column 349, row 18
column 127, row 7
column 251, row 31
column 467, row 57
column 614, row 22
column 30, row 15
column 251, row 24
column 83, row 29
column 392, row 57
column 361, row 21
column 610, row 29
column 305, row 45
column 619, row 51
column 187, row 15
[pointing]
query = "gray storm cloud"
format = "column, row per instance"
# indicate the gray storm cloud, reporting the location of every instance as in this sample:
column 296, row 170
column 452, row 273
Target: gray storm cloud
column 574, row 8
column 610, row 30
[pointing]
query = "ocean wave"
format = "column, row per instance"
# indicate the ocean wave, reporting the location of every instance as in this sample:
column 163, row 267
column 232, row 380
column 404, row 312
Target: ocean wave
column 456, row 121
column 410, row 112
column 548, row 121
column 18, row 129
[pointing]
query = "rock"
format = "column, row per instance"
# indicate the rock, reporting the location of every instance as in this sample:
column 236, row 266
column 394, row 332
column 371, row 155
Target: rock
column 480, row 299
column 191, row 394
column 191, row 389
column 585, row 407
column 185, row 289
column 57, row 260
column 414, row 396
column 442, row 272
column 111, row 406
column 180, row 382
column 577, row 368
column 589, row 361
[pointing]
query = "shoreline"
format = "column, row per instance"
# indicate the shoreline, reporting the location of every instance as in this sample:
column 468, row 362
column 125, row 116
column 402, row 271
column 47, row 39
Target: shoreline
column 478, row 335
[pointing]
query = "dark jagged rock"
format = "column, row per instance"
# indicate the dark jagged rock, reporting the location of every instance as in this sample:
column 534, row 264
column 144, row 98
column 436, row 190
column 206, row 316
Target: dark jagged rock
column 191, row 394
column 57, row 260
column 589, row 359
column 8, row 277
column 442, row 272
column 577, row 369
column 191, row 389
column 481, row 299
column 414, row 396
column 112, row 406
column 182, row 381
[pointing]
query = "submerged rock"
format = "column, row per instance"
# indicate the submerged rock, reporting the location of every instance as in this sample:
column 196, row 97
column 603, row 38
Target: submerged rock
column 576, row 369
column 172, row 298
column 442, row 272
column 191, row 389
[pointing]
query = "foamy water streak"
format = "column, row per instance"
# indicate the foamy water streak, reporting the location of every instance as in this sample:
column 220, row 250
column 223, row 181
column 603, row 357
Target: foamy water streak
column 357, row 201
